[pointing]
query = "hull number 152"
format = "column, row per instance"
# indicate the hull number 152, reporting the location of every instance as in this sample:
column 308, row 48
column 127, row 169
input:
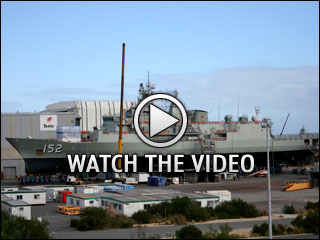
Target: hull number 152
column 52, row 148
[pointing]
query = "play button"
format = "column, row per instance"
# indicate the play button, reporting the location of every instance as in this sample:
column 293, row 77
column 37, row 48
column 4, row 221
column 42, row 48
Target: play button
column 160, row 120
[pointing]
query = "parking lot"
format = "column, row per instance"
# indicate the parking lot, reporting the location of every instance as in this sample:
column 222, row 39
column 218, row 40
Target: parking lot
column 253, row 190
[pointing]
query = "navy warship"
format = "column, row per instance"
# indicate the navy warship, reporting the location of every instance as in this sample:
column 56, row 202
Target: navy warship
column 242, row 136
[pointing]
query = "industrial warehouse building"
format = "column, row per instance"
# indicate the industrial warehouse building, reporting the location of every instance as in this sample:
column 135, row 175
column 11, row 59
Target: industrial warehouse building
column 129, row 202
column 85, row 114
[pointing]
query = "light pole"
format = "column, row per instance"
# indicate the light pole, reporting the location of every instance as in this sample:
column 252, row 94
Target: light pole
column 257, row 109
column 269, row 181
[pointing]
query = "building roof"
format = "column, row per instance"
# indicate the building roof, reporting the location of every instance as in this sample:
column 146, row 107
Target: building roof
column 16, row 203
column 58, row 186
column 83, row 196
column 151, row 196
column 9, row 187
column 5, row 198
column 24, row 191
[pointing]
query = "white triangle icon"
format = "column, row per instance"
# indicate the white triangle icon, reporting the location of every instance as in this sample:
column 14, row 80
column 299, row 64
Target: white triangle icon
column 160, row 120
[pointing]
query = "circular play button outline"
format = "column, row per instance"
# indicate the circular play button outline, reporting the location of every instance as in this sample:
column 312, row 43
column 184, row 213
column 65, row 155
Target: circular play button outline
column 171, row 99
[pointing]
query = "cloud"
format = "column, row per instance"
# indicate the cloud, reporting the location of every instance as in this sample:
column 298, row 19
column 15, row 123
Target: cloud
column 276, row 90
column 8, row 106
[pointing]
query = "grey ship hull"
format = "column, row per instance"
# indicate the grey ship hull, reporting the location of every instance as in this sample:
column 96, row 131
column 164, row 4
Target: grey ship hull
column 38, row 161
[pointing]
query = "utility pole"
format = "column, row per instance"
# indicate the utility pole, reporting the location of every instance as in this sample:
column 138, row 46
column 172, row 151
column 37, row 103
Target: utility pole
column 269, row 181
column 257, row 112
column 121, row 107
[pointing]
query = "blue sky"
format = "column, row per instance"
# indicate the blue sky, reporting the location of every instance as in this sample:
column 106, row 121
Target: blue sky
column 262, row 53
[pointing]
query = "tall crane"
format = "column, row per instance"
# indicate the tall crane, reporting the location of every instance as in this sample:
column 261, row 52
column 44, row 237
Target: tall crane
column 285, row 123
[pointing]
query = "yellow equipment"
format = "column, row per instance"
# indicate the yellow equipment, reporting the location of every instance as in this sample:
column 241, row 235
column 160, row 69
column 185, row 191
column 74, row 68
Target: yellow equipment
column 296, row 186
column 69, row 210
column 78, row 183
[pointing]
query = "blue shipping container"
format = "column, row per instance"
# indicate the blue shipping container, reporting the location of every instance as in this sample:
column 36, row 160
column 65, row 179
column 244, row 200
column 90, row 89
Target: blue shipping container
column 156, row 181
column 125, row 186
column 112, row 188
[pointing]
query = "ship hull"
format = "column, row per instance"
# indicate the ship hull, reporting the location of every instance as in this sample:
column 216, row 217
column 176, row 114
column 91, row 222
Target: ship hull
column 39, row 161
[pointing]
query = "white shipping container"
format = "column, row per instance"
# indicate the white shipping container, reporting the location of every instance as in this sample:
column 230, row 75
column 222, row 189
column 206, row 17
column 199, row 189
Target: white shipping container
column 224, row 195
column 87, row 190
column 141, row 177
column 175, row 180
column 83, row 200
column 17, row 208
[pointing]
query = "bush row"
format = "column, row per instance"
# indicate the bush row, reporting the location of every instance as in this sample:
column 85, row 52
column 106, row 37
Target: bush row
column 93, row 218
column 302, row 224
column 183, row 209
column 192, row 232
column 13, row 227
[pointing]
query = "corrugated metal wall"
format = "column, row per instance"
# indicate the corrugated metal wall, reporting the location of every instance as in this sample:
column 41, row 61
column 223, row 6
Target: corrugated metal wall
column 22, row 125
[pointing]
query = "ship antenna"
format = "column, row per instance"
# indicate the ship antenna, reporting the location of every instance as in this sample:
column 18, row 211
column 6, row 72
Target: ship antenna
column 121, row 106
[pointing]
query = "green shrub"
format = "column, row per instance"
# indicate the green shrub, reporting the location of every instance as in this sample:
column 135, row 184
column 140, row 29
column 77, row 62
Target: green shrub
column 289, row 209
column 119, row 221
column 190, row 209
column 312, row 205
column 236, row 208
column 93, row 218
column 308, row 223
column 142, row 217
column 74, row 223
column 261, row 230
column 189, row 232
column 13, row 227
column 224, row 233
column 279, row 229
column 178, row 219
column 302, row 224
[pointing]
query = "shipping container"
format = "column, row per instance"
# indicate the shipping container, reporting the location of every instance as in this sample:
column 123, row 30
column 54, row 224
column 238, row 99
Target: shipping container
column 125, row 186
column 156, row 181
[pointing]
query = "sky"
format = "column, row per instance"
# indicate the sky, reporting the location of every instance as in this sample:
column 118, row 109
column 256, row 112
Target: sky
column 263, row 54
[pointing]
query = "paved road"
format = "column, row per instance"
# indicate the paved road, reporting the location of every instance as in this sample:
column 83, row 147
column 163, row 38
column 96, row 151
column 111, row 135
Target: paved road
column 298, row 236
column 163, row 231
